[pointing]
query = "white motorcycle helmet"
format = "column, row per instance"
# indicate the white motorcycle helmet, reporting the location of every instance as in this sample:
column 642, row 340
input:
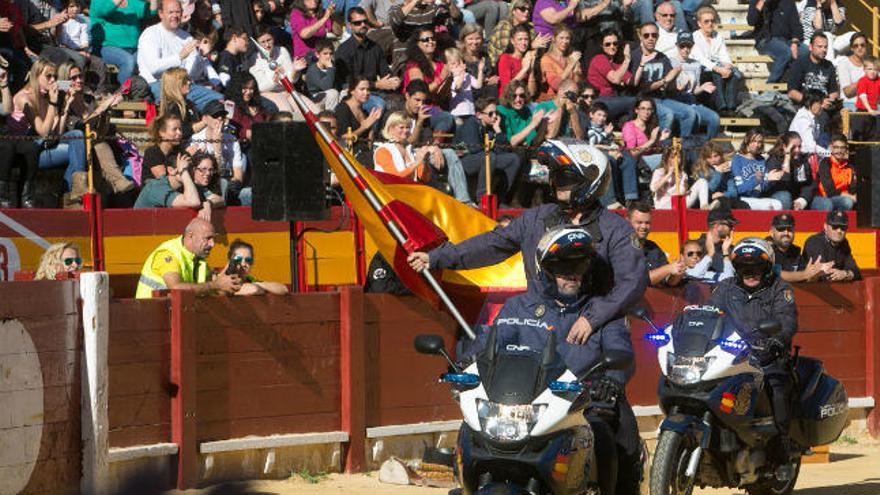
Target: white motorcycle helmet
column 573, row 163
column 753, row 256
column 564, row 250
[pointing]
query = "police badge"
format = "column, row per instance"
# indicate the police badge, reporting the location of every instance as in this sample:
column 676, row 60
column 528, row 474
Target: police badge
column 540, row 310
column 788, row 294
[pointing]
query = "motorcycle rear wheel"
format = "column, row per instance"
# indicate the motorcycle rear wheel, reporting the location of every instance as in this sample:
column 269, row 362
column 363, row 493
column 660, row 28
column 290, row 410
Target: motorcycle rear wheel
column 670, row 463
column 771, row 487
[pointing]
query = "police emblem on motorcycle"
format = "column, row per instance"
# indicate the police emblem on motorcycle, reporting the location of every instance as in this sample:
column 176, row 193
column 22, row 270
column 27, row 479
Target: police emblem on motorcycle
column 379, row 273
column 540, row 310
column 788, row 295
column 585, row 156
column 743, row 399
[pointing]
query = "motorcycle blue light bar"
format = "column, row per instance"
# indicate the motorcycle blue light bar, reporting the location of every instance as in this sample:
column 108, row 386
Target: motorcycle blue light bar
column 460, row 378
column 734, row 347
column 659, row 339
column 565, row 386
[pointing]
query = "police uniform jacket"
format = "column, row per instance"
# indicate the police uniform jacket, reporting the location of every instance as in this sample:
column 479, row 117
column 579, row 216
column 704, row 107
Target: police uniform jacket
column 774, row 302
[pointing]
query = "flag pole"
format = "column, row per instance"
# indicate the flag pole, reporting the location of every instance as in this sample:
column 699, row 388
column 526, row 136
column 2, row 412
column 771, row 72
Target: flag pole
column 376, row 205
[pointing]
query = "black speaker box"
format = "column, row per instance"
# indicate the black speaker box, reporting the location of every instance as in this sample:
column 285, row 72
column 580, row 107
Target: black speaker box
column 288, row 173
column 866, row 160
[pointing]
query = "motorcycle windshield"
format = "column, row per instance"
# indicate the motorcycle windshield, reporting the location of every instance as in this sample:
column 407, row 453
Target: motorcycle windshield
column 695, row 331
column 512, row 375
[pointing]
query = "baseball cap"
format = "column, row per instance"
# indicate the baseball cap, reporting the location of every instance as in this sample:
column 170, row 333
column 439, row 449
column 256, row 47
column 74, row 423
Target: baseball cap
column 684, row 38
column 783, row 220
column 214, row 108
column 721, row 215
column 837, row 217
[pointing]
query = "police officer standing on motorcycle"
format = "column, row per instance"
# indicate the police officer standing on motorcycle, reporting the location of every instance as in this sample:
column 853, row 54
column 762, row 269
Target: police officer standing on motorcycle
column 755, row 295
column 579, row 175
column 565, row 260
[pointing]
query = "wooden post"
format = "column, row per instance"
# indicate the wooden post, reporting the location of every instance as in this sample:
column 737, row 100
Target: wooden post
column 360, row 260
column 94, row 288
column 88, row 137
column 488, row 201
column 486, row 148
column 872, row 352
column 875, row 31
column 183, row 381
column 844, row 122
column 676, row 159
column 352, row 364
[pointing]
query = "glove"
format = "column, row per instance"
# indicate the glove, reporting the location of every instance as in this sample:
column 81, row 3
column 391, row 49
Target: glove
column 605, row 389
column 776, row 347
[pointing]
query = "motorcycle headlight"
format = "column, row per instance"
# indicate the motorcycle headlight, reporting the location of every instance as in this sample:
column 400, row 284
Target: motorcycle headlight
column 508, row 423
column 683, row 370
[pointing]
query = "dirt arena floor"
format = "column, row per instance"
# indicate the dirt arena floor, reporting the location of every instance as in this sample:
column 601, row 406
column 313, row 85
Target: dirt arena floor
column 853, row 470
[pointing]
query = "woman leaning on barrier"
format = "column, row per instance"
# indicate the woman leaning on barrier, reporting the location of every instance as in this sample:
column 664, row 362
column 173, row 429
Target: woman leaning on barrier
column 60, row 260
column 23, row 152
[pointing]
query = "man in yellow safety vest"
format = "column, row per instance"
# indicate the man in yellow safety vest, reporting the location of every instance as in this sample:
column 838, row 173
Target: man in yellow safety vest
column 179, row 263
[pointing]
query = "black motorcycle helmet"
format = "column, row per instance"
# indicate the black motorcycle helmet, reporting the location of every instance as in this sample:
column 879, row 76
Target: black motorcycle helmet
column 564, row 250
column 753, row 256
column 578, row 165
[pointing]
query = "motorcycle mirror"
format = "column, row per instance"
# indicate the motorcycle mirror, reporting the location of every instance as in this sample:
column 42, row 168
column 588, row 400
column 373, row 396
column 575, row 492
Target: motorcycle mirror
column 430, row 344
column 617, row 360
column 642, row 313
column 770, row 327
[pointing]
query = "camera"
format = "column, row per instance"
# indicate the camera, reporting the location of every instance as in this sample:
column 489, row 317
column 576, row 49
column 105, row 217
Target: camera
column 571, row 95
column 64, row 85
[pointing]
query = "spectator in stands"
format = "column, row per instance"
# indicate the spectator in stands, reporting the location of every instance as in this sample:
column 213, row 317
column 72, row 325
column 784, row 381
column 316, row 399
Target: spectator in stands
column 272, row 64
column 827, row 17
column 165, row 46
column 711, row 51
column 750, row 176
column 712, row 167
column 81, row 108
column 688, row 89
column 59, row 261
column 518, row 119
column 564, row 118
column 547, row 14
column 26, row 151
column 814, row 138
column 414, row 15
column 699, row 261
column 600, row 133
column 13, row 43
column 232, row 163
column 517, row 63
column 309, row 22
column 868, row 89
column 850, row 69
column 487, row 12
column 609, row 73
column 463, row 86
column 321, row 76
column 175, row 189
column 652, row 74
column 791, row 264
column 831, row 245
column 836, row 177
column 814, row 73
column 379, row 22
column 660, row 271
column 473, row 51
column 718, row 240
column 796, row 188
column 207, row 180
column 361, row 56
column 500, row 38
column 559, row 63
column 176, row 85
column 641, row 138
column 250, row 107
column 180, row 263
column 38, row 109
column 42, row 19
column 241, row 255
column 645, row 11
column 115, row 29
column 203, row 72
column 473, row 133
column 423, row 62
column 355, row 122
column 668, row 34
column 74, row 38
column 166, row 133
column 232, row 59
column 397, row 157
column 664, row 186
column 778, row 33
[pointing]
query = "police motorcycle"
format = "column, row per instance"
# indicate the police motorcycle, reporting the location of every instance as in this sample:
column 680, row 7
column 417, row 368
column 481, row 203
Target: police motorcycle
column 719, row 428
column 524, row 430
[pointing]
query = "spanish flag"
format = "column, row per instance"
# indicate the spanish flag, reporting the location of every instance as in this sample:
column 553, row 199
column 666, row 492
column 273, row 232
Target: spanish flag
column 402, row 217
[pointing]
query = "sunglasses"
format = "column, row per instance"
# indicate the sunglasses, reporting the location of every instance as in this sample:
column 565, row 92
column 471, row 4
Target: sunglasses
column 666, row 15
column 70, row 261
column 490, row 114
column 693, row 253
column 51, row 76
column 610, row 43
column 708, row 21
column 522, row 9
column 588, row 96
column 648, row 36
column 519, row 96
column 77, row 77
column 358, row 23
column 784, row 229
column 243, row 259
column 839, row 227
column 426, row 40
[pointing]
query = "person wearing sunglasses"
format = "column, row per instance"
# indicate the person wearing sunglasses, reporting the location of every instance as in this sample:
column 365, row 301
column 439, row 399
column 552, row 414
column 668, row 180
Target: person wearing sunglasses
column 609, row 73
column 698, row 265
column 790, row 262
column 850, row 69
column 240, row 260
column 499, row 39
column 711, row 51
column 831, row 245
column 60, row 261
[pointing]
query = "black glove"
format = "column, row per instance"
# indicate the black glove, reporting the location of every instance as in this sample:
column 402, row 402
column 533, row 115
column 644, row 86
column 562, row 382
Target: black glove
column 605, row 389
column 776, row 346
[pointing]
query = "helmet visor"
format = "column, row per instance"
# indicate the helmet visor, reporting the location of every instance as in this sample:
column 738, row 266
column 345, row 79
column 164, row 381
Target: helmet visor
column 565, row 176
column 751, row 267
column 569, row 266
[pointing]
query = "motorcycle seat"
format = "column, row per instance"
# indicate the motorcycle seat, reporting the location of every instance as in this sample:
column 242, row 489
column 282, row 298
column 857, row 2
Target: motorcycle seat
column 808, row 373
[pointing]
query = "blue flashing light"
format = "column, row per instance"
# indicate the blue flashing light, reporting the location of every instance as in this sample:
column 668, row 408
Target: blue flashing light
column 659, row 339
column 565, row 386
column 460, row 378
column 734, row 347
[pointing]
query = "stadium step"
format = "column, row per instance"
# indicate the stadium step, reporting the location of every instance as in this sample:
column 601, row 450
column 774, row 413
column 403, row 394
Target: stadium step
column 759, row 85
column 739, row 122
column 754, row 58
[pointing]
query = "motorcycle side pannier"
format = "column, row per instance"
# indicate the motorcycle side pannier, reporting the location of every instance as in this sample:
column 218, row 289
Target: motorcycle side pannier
column 821, row 410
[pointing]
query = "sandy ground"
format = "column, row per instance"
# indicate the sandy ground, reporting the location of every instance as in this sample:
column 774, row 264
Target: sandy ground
column 853, row 470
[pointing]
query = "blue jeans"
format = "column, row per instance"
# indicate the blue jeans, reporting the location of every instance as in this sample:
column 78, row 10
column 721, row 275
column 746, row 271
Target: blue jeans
column 709, row 118
column 783, row 197
column 644, row 12
column 725, row 90
column 69, row 152
column 683, row 113
column 198, row 95
column 780, row 51
column 618, row 106
column 832, row 203
column 123, row 58
column 626, row 177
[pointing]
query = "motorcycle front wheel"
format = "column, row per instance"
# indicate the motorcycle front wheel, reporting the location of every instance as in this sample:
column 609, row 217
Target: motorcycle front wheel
column 670, row 464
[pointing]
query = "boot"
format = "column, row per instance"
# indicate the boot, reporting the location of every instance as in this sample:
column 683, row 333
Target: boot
column 27, row 195
column 5, row 199
column 79, row 185
column 110, row 169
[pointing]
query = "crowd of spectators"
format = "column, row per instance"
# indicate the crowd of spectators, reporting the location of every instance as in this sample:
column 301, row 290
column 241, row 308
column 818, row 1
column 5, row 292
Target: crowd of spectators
column 416, row 86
